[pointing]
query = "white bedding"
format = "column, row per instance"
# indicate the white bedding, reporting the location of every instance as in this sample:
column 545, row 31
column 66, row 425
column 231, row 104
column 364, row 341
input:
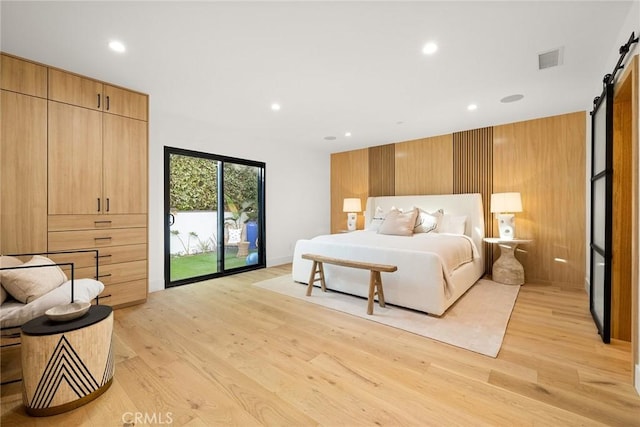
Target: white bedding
column 434, row 270
column 453, row 250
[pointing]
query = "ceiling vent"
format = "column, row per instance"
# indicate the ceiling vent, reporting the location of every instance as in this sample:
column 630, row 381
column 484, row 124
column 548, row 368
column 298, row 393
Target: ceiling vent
column 552, row 58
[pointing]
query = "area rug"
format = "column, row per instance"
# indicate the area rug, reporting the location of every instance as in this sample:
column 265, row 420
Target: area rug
column 476, row 322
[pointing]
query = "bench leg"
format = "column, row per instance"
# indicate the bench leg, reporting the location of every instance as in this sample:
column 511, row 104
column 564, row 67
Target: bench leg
column 375, row 288
column 322, row 283
column 317, row 268
column 379, row 290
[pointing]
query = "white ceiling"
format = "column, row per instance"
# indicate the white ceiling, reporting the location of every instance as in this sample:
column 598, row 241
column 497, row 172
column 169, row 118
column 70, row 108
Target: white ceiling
column 333, row 66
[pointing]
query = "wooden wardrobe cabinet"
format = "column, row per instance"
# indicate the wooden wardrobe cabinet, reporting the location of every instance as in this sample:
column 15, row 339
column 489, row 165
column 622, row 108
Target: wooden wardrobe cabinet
column 23, row 153
column 74, row 174
column 98, row 181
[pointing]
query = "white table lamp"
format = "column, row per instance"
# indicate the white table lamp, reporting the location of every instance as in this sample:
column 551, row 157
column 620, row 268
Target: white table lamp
column 351, row 206
column 503, row 205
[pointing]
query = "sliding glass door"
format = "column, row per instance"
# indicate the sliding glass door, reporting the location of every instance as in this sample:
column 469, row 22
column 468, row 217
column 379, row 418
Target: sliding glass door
column 601, row 211
column 214, row 210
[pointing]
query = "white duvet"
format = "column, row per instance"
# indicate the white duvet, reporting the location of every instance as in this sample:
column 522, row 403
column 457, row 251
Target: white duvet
column 453, row 250
column 434, row 269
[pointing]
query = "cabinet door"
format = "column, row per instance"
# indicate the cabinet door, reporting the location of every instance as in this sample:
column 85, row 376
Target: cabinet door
column 75, row 90
column 75, row 160
column 125, row 103
column 23, row 173
column 125, row 165
column 23, row 77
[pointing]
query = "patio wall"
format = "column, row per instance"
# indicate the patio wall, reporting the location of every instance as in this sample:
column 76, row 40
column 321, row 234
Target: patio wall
column 203, row 223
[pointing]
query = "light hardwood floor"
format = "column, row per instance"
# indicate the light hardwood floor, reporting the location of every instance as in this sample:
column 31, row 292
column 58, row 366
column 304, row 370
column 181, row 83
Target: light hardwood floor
column 226, row 353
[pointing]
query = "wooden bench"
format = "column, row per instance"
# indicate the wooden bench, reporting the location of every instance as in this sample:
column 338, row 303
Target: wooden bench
column 375, row 281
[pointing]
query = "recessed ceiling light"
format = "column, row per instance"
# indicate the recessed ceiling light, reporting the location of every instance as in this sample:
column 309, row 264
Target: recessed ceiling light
column 512, row 98
column 275, row 107
column 472, row 107
column 330, row 138
column 399, row 122
column 117, row 46
column 347, row 134
column 430, row 48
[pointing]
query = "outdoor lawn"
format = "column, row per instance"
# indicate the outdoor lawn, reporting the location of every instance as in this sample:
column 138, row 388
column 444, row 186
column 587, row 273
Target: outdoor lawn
column 183, row 267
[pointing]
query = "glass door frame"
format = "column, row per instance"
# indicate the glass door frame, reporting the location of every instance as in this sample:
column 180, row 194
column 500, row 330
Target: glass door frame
column 602, row 315
column 221, row 271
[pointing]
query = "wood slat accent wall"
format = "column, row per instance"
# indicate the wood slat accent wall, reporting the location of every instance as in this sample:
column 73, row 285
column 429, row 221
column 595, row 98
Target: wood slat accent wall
column 349, row 178
column 424, row 166
column 473, row 173
column 381, row 171
column 544, row 159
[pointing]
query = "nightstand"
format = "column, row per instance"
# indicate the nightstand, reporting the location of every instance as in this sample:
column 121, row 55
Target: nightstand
column 66, row 364
column 507, row 269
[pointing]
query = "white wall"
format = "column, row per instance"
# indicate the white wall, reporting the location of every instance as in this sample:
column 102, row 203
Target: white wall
column 631, row 24
column 297, row 184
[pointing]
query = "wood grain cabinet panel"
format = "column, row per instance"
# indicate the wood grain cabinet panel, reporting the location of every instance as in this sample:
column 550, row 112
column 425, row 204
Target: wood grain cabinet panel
column 22, row 76
column 91, row 222
column 125, row 165
column 85, row 239
column 124, row 294
column 106, row 255
column 125, row 103
column 23, row 173
column 85, row 92
column 75, row 90
column 75, row 160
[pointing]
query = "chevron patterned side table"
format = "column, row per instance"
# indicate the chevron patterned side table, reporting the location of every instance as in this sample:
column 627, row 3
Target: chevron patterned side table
column 66, row 364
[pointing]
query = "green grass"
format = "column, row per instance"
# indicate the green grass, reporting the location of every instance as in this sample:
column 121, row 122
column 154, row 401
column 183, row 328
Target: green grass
column 187, row 266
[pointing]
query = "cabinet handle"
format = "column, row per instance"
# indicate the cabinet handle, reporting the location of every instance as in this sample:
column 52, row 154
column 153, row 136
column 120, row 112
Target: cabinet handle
column 98, row 204
column 98, row 101
column 102, row 222
column 104, row 275
column 102, row 238
column 104, row 256
column 107, row 103
column 107, row 204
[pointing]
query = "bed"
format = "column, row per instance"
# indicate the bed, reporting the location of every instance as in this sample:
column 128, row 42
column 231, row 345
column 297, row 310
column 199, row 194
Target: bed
column 434, row 268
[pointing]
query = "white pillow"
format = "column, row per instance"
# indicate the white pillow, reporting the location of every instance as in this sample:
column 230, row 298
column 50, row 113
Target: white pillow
column 234, row 236
column 427, row 221
column 5, row 262
column 27, row 284
column 453, row 224
column 379, row 213
column 14, row 313
column 399, row 223
column 377, row 220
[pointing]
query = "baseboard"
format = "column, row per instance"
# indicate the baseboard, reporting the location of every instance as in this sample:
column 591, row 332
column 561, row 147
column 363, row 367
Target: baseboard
column 587, row 286
column 279, row 261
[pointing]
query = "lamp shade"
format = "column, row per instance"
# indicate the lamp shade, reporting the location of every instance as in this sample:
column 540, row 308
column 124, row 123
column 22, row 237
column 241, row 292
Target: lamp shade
column 506, row 202
column 351, row 205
